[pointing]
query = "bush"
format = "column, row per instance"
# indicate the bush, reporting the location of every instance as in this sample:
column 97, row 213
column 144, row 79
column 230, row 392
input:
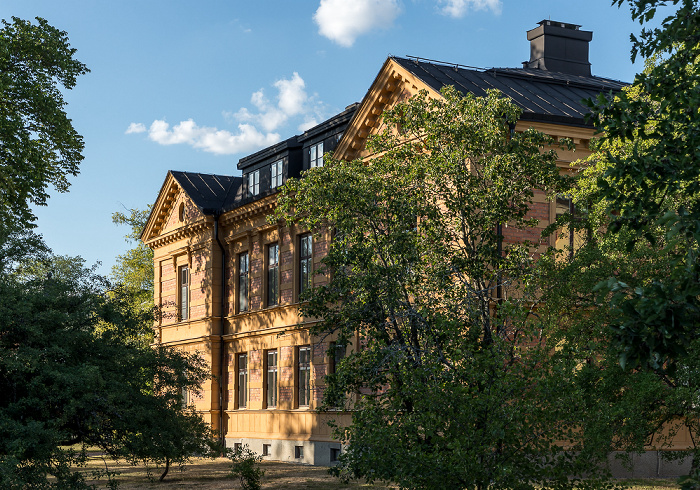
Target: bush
column 245, row 466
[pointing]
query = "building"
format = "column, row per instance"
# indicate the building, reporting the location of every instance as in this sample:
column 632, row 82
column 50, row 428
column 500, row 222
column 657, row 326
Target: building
column 228, row 281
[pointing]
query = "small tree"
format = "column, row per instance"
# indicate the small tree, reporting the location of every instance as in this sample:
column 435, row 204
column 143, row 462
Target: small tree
column 458, row 390
column 72, row 371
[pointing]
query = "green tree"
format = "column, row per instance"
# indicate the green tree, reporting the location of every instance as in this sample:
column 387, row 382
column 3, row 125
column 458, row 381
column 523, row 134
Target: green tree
column 38, row 144
column 67, row 380
column 458, row 388
column 133, row 270
column 653, row 189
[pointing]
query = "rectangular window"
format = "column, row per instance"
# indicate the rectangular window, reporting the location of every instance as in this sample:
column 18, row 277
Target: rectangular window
column 276, row 174
column 271, row 381
column 242, row 380
column 304, row 371
column 316, row 155
column 273, row 269
column 243, row 270
column 338, row 352
column 305, row 262
column 254, row 183
column 335, row 454
column 569, row 237
column 299, row 452
column 267, row 449
column 184, row 295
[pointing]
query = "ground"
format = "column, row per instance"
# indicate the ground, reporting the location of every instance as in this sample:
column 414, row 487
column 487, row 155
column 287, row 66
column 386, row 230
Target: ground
column 210, row 474
column 207, row 474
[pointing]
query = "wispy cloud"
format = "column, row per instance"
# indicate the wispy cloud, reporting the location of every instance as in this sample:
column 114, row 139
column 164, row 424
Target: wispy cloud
column 256, row 128
column 459, row 8
column 135, row 128
column 213, row 140
column 342, row 21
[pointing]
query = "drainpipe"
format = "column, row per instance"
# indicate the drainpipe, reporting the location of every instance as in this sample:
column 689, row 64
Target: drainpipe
column 223, row 305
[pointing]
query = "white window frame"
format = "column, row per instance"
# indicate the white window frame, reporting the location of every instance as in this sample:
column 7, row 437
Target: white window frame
column 276, row 174
column 316, row 155
column 254, row 183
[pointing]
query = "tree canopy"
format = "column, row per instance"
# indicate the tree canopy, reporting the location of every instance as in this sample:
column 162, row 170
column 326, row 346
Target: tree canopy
column 72, row 373
column 655, row 185
column 458, row 386
column 38, row 144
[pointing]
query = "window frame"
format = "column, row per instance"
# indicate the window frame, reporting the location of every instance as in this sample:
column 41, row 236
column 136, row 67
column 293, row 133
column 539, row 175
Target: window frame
column 316, row 155
column 276, row 174
column 271, row 371
column 242, row 380
column 303, row 376
column 272, row 286
column 305, row 263
column 183, row 295
column 254, row 183
column 243, row 283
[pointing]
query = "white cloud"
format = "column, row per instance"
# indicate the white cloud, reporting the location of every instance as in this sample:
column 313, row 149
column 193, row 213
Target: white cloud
column 292, row 100
column 342, row 21
column 256, row 127
column 211, row 140
column 135, row 128
column 458, row 8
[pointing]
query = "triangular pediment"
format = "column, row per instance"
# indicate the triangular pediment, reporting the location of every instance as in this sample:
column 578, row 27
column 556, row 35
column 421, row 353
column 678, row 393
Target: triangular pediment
column 393, row 84
column 173, row 210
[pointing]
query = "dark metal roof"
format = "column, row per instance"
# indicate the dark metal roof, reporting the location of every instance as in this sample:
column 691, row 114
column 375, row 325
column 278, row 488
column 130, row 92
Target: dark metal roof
column 341, row 119
column 260, row 155
column 210, row 193
column 545, row 96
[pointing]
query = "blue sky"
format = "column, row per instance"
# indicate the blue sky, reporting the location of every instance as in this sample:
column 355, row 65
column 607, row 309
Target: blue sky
column 195, row 86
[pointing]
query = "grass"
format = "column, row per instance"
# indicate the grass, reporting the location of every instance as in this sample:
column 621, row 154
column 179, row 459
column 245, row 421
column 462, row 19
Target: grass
column 208, row 474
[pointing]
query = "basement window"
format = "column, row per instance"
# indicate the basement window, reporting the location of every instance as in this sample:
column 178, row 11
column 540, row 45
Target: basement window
column 299, row 452
column 335, row 453
column 267, row 449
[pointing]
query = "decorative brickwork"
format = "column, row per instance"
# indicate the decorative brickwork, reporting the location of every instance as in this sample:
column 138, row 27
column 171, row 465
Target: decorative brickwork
column 286, row 296
column 255, row 375
column 255, row 356
column 286, row 393
column 198, row 311
column 286, row 238
column 287, row 354
column 320, row 248
column 318, row 393
column 320, row 370
column 320, row 349
column 286, row 374
column 255, row 394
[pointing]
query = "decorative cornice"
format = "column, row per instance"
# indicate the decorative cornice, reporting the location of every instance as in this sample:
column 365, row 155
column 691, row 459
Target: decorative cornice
column 184, row 232
column 263, row 206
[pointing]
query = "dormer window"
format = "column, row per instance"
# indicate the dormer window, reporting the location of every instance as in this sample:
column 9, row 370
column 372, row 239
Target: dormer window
column 316, row 155
column 254, row 183
column 276, row 174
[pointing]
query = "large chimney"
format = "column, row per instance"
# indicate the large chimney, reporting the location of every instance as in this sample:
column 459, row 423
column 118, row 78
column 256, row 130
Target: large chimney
column 558, row 46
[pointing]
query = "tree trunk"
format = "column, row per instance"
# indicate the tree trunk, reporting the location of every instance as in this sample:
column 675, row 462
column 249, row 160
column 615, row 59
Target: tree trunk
column 167, row 467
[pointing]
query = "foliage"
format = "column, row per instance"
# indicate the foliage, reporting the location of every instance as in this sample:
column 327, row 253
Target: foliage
column 38, row 144
column 653, row 189
column 245, row 466
column 458, row 386
column 65, row 381
column 133, row 270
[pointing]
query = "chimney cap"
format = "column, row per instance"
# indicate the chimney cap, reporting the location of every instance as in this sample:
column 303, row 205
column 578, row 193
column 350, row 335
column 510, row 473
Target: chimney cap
column 556, row 23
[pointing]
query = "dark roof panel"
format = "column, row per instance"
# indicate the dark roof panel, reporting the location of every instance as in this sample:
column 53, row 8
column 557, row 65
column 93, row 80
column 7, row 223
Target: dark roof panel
column 542, row 95
column 208, row 192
